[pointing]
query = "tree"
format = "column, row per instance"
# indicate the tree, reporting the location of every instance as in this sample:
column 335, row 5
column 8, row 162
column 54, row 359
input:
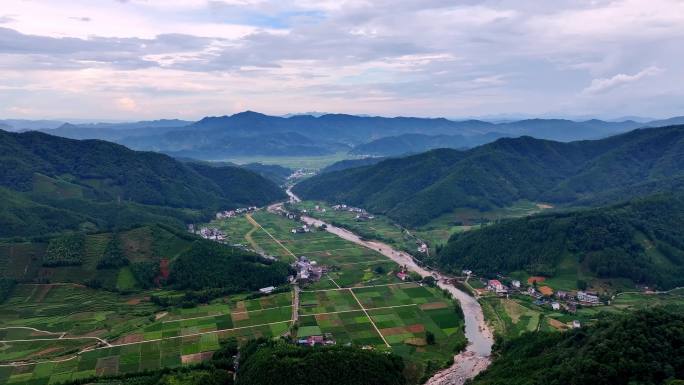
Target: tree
column 429, row 337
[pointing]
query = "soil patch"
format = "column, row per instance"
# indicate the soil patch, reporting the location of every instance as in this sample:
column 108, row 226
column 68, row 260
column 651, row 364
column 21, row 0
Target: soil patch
column 534, row 279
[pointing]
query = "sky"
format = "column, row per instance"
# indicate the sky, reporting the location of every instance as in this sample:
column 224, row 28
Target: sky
column 149, row 59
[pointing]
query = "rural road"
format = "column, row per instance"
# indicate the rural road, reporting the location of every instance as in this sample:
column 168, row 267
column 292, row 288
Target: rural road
column 480, row 339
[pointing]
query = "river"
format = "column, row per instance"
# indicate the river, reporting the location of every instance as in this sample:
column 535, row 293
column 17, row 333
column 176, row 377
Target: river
column 476, row 356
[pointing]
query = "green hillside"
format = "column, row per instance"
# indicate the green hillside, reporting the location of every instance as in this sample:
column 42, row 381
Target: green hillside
column 418, row 188
column 641, row 240
column 136, row 259
column 50, row 184
column 642, row 348
column 263, row 363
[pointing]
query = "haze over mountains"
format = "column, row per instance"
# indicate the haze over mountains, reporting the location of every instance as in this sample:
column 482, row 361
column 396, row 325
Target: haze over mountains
column 254, row 134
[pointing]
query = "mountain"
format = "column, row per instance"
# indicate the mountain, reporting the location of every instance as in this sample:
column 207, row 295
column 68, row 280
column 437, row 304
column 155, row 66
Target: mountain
column 352, row 163
column 213, row 145
column 25, row 124
column 82, row 177
column 641, row 240
column 415, row 143
column 116, row 131
column 640, row 348
column 416, row 189
column 254, row 134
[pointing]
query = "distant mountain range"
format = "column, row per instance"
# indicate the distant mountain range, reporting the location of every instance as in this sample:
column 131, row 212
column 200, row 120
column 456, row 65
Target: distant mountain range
column 415, row 189
column 254, row 134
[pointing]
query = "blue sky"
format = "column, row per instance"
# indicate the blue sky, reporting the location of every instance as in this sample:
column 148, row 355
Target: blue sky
column 146, row 59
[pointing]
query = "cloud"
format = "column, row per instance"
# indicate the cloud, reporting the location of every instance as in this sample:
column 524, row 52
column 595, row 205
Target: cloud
column 418, row 57
column 126, row 104
column 84, row 19
column 5, row 19
column 606, row 84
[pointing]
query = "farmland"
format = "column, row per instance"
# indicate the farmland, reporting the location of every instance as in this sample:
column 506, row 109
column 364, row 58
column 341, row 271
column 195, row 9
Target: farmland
column 360, row 301
column 513, row 316
column 79, row 332
column 434, row 233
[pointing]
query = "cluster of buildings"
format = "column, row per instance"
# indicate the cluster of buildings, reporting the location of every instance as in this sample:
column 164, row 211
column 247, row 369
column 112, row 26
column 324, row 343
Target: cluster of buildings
column 234, row 213
column 213, row 234
column 544, row 295
column 301, row 173
column 325, row 340
column 361, row 214
column 307, row 270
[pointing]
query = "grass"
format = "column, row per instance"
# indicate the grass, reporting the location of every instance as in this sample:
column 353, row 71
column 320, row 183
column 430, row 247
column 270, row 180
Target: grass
column 314, row 162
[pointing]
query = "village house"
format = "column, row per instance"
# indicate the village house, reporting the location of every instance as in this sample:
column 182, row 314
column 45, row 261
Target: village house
column 515, row 283
column 496, row 286
column 317, row 340
column 403, row 273
column 588, row 298
column 307, row 270
column 467, row 272
column 423, row 248
column 213, row 234
column 555, row 306
column 266, row 290
column 226, row 214
column 364, row 217
column 576, row 324
column 560, row 294
column 301, row 230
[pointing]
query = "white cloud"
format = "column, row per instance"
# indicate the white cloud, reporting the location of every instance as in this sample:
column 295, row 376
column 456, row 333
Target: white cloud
column 415, row 57
column 126, row 104
column 607, row 84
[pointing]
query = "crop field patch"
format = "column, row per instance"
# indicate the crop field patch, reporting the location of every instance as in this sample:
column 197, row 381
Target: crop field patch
column 327, row 302
column 350, row 327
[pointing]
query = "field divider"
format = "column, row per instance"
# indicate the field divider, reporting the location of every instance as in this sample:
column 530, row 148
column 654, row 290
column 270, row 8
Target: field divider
column 188, row 335
column 220, row 314
column 351, row 311
column 254, row 222
column 370, row 319
column 359, row 287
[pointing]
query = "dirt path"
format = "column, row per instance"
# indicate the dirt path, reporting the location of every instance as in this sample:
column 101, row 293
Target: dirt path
column 255, row 223
column 369, row 318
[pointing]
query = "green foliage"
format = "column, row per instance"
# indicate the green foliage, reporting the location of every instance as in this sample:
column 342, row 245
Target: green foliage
column 429, row 337
column 416, row 189
column 646, row 347
column 263, row 363
column 113, row 256
column 212, row 265
column 146, row 273
column 66, row 250
column 606, row 241
column 51, row 184
column 6, row 287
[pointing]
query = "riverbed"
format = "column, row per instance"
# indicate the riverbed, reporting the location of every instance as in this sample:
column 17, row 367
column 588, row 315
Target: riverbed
column 480, row 340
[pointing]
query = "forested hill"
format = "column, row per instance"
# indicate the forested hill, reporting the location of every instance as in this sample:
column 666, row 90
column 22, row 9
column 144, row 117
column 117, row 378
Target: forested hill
column 642, row 240
column 415, row 189
column 646, row 347
column 46, row 178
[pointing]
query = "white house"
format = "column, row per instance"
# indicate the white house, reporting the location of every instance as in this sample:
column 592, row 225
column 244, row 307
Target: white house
column 267, row 290
column 555, row 306
column 515, row 283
